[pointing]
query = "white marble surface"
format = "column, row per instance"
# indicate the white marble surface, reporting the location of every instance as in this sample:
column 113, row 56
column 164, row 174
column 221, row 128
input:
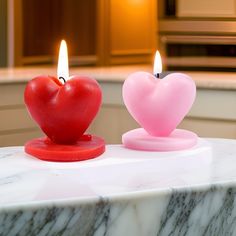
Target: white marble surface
column 119, row 171
column 123, row 192
column 209, row 80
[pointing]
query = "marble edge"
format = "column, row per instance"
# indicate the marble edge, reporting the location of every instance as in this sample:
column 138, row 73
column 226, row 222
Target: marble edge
column 137, row 195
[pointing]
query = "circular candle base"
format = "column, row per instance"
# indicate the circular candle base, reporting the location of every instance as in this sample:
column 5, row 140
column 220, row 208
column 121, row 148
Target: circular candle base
column 179, row 139
column 84, row 149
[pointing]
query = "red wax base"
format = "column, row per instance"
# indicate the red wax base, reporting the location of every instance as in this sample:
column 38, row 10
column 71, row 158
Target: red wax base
column 87, row 148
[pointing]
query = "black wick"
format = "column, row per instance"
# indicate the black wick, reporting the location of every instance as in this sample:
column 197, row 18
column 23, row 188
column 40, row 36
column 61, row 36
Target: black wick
column 62, row 79
column 157, row 75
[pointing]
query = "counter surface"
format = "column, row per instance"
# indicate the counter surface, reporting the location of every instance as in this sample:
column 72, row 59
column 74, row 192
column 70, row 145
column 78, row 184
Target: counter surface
column 208, row 80
column 190, row 192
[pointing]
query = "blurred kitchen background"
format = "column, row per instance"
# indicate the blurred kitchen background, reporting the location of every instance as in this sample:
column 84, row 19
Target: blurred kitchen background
column 112, row 38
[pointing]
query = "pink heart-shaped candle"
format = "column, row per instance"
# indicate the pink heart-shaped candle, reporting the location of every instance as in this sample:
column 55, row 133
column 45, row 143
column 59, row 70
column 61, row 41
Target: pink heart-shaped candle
column 158, row 105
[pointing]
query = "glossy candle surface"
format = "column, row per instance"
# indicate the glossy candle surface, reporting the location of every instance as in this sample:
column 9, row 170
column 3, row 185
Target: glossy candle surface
column 159, row 105
column 63, row 111
column 64, row 107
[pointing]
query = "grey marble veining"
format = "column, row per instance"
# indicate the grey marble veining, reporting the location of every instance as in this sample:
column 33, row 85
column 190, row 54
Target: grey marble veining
column 123, row 192
column 198, row 212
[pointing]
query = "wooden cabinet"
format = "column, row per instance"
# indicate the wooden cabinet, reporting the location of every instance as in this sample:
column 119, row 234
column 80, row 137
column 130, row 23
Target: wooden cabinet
column 212, row 115
column 98, row 32
column 16, row 126
column 209, row 116
column 40, row 25
column 131, row 34
column 206, row 9
column 3, row 33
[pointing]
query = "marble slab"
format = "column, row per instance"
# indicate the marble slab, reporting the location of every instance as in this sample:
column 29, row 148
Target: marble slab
column 123, row 192
column 117, row 74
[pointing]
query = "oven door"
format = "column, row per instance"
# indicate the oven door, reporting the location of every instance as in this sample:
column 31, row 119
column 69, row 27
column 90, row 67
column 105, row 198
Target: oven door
column 190, row 52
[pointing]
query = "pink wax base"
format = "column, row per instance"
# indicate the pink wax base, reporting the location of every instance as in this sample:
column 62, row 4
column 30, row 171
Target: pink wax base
column 86, row 148
column 179, row 139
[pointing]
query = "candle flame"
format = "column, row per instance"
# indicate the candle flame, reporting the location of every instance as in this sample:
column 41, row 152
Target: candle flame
column 157, row 69
column 63, row 67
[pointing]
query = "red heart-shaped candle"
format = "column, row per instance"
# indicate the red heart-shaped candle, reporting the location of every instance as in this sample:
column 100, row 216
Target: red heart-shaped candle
column 63, row 111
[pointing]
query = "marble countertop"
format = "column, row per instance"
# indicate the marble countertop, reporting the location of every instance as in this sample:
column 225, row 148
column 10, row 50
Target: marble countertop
column 117, row 74
column 119, row 172
column 191, row 192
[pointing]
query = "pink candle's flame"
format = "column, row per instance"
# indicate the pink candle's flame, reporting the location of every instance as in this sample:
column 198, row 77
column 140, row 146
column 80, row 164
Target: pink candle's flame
column 157, row 68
